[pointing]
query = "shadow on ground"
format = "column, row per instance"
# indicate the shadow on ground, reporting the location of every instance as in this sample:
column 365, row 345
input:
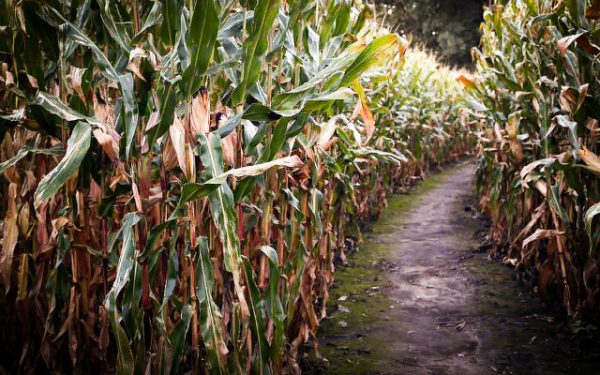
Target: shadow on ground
column 421, row 297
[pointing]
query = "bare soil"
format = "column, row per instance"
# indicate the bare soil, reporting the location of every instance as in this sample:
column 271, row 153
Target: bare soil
column 422, row 297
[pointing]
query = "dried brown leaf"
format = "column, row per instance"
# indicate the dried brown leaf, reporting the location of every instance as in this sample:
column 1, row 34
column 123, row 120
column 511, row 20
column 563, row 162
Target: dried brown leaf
column 540, row 234
column 200, row 116
column 10, row 236
column 590, row 159
column 546, row 275
column 109, row 144
column 593, row 11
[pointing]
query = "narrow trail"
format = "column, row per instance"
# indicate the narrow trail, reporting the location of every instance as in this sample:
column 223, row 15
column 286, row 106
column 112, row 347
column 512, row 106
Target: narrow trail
column 420, row 298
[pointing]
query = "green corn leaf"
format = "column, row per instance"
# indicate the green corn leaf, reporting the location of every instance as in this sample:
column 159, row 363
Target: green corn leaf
column 369, row 57
column 129, row 113
column 54, row 151
column 77, row 147
column 168, row 101
column 233, row 25
column 171, row 281
column 321, row 102
column 565, row 122
column 125, row 358
column 196, row 191
column 178, row 337
column 126, row 260
column 257, row 325
column 76, row 35
column 221, row 201
column 590, row 213
column 155, row 17
column 337, row 65
column 124, row 274
column 154, row 236
column 202, row 36
column 255, row 47
column 278, row 139
column 53, row 105
column 83, row 15
column 260, row 112
column 555, row 205
column 229, row 126
column 222, row 208
column 274, row 306
column 171, row 26
column 115, row 28
column 211, row 319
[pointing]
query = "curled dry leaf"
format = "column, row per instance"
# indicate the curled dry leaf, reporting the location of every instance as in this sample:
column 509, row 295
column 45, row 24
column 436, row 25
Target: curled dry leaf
column 104, row 112
column 368, row 120
column 327, row 131
column 517, row 150
column 590, row 159
column 135, row 59
column 540, row 234
column 169, row 157
column 182, row 149
column 229, row 144
column 467, row 82
column 582, row 41
column 22, row 277
column 546, row 275
column 257, row 169
column 365, row 112
column 593, row 11
column 200, row 113
column 152, row 122
column 10, row 236
column 136, row 196
column 109, row 144
column 177, row 138
column 356, row 112
column 23, row 219
column 74, row 78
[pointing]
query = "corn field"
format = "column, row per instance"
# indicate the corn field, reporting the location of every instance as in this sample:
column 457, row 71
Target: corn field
column 178, row 178
column 537, row 95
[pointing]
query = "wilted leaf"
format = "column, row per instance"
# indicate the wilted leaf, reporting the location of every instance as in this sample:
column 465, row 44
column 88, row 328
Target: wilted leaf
column 9, row 237
column 540, row 234
column 200, row 114
column 593, row 11
column 590, row 159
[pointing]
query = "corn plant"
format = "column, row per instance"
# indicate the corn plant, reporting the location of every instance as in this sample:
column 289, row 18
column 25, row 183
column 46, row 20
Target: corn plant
column 178, row 177
column 537, row 94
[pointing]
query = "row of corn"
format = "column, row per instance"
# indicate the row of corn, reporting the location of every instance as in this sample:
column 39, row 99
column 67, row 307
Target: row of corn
column 179, row 177
column 538, row 96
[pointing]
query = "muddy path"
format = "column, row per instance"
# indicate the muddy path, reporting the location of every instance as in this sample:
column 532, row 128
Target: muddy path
column 422, row 297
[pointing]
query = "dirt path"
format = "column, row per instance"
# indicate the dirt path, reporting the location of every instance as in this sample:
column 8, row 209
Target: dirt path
column 420, row 298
